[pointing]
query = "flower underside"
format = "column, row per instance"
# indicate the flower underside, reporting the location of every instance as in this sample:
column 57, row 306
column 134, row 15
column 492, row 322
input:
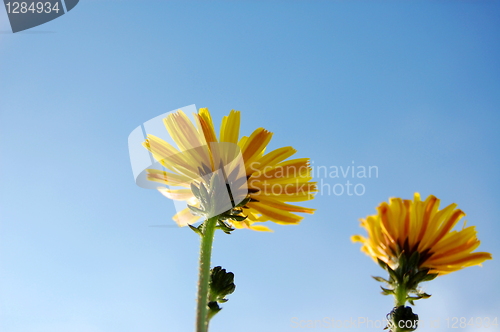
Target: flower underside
column 266, row 181
column 404, row 227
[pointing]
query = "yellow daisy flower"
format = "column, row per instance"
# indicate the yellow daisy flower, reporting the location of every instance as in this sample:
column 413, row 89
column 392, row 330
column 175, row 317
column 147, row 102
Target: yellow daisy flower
column 406, row 227
column 270, row 180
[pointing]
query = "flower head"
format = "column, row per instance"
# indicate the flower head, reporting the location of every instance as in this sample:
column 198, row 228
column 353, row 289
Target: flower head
column 265, row 182
column 404, row 227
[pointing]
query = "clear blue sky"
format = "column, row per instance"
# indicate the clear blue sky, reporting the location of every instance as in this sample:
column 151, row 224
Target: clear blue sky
column 412, row 88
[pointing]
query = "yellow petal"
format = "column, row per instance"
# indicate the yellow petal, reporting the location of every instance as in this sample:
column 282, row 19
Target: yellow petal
column 358, row 238
column 275, row 203
column 475, row 258
column 429, row 205
column 255, row 145
column 290, row 169
column 187, row 138
column 207, row 126
column 260, row 228
column 272, row 158
column 230, row 127
column 177, row 194
column 184, row 218
column 276, row 215
column 171, row 179
column 447, row 226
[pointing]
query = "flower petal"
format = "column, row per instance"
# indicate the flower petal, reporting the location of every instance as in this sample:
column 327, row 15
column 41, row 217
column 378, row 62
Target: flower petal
column 276, row 215
column 177, row 194
column 230, row 127
column 184, row 218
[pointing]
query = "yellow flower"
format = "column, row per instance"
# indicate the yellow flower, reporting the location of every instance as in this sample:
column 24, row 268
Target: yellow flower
column 405, row 226
column 270, row 179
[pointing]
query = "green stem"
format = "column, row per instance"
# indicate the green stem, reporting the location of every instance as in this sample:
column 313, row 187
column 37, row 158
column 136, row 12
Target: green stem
column 400, row 295
column 400, row 300
column 204, row 274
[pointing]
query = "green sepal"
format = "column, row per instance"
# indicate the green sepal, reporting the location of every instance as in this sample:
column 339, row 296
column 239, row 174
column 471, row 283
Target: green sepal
column 394, row 276
column 210, row 191
column 430, row 276
column 418, row 277
column 224, row 227
column 196, row 191
column 195, row 211
column 215, row 184
column 206, row 168
column 424, row 295
column 405, row 278
column 197, row 230
column 380, row 279
column 244, row 202
column 402, row 260
column 213, row 309
column 412, row 298
column 386, row 291
column 204, row 194
column 238, row 218
column 382, row 264
column 414, row 259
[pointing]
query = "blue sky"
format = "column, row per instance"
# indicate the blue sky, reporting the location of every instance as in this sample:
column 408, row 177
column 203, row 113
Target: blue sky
column 411, row 88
